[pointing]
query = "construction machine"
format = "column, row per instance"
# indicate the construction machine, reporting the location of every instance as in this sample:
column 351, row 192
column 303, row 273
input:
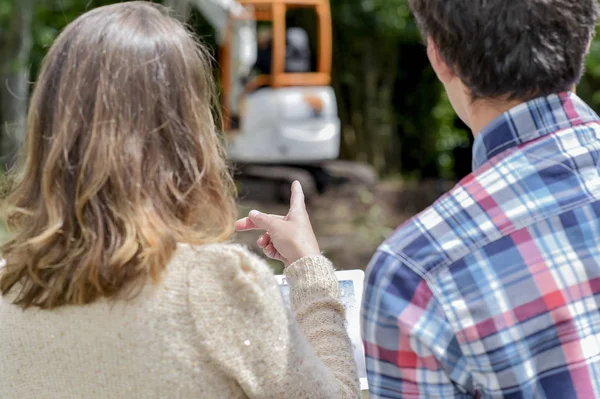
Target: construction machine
column 281, row 122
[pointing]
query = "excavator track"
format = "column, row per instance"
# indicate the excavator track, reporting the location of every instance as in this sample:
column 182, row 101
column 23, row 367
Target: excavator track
column 267, row 182
column 279, row 178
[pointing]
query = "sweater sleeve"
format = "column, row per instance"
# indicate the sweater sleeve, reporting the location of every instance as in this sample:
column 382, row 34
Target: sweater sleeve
column 242, row 321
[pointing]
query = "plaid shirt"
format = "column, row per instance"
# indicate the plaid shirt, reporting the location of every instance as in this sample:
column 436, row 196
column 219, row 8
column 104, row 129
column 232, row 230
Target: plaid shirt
column 494, row 291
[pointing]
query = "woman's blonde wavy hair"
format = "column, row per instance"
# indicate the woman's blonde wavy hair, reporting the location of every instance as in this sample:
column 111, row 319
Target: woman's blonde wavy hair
column 122, row 160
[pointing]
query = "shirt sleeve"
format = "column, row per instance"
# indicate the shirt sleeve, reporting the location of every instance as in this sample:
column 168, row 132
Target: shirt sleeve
column 411, row 349
column 269, row 351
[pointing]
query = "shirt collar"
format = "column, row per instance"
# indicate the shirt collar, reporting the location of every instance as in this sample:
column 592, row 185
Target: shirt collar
column 529, row 121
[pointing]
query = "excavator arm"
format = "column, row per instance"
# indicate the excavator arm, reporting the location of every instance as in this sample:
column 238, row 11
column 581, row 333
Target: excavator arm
column 218, row 13
column 234, row 29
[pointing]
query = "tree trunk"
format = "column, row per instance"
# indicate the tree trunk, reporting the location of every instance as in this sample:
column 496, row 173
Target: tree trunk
column 16, row 43
column 388, row 151
column 370, row 109
column 357, row 121
column 348, row 144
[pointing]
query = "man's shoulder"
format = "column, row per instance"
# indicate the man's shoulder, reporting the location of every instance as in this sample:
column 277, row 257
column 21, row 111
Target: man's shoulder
column 520, row 186
column 462, row 220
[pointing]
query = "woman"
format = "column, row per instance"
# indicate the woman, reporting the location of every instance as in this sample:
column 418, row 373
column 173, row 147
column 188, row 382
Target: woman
column 117, row 283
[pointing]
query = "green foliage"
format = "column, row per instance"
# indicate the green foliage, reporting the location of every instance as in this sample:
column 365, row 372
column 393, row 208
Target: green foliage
column 6, row 9
column 406, row 112
column 51, row 16
column 590, row 85
column 448, row 136
column 389, row 19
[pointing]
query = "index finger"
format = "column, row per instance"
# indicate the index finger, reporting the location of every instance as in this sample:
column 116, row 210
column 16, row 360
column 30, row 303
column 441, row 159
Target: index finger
column 246, row 224
column 297, row 198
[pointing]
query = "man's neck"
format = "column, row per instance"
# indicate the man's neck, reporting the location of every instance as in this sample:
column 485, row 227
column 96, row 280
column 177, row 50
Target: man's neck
column 482, row 112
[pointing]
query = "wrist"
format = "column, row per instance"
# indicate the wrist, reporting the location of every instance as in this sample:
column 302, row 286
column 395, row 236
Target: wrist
column 312, row 276
column 305, row 250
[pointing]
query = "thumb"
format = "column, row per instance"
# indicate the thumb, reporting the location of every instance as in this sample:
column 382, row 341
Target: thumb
column 264, row 221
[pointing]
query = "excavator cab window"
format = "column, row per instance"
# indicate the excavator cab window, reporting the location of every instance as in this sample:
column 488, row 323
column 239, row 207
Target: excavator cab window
column 302, row 41
column 293, row 48
column 300, row 49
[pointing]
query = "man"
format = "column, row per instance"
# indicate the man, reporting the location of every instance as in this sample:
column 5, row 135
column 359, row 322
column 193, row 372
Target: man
column 494, row 291
column 264, row 50
column 297, row 51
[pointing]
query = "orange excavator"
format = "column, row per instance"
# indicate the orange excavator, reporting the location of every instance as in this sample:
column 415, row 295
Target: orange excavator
column 280, row 112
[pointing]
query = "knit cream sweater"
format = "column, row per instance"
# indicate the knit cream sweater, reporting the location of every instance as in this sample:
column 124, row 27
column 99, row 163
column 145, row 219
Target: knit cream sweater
column 215, row 327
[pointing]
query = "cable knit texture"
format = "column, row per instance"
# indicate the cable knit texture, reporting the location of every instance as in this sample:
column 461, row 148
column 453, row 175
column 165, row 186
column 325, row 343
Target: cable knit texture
column 215, row 327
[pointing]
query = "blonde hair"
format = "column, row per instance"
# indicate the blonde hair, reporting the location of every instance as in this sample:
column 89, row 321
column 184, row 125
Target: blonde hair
column 121, row 162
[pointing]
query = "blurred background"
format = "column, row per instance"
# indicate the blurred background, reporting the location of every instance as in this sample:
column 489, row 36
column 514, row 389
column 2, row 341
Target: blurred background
column 399, row 146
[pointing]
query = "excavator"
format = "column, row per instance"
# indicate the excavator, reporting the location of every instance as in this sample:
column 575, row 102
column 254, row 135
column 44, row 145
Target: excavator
column 280, row 111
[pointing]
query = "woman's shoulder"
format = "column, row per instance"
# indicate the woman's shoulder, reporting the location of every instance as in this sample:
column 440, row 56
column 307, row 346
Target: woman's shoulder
column 219, row 274
column 216, row 252
column 225, row 259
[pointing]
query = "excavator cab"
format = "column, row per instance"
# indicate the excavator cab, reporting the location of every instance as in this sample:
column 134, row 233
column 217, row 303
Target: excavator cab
column 278, row 105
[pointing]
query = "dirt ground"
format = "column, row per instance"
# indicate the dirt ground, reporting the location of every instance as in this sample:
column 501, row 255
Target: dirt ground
column 350, row 221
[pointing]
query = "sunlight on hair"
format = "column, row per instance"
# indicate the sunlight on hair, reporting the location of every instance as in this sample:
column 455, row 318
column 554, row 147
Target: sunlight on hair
column 122, row 160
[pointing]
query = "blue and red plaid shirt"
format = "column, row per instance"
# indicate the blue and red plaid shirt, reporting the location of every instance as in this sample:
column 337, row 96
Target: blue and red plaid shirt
column 494, row 291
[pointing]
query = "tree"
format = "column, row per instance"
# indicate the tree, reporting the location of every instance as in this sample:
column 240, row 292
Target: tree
column 386, row 90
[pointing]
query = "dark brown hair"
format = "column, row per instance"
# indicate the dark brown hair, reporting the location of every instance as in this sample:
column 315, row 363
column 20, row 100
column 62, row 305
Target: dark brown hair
column 517, row 49
column 121, row 162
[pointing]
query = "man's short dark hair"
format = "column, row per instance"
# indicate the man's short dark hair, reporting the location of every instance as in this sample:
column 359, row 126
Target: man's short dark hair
column 518, row 49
